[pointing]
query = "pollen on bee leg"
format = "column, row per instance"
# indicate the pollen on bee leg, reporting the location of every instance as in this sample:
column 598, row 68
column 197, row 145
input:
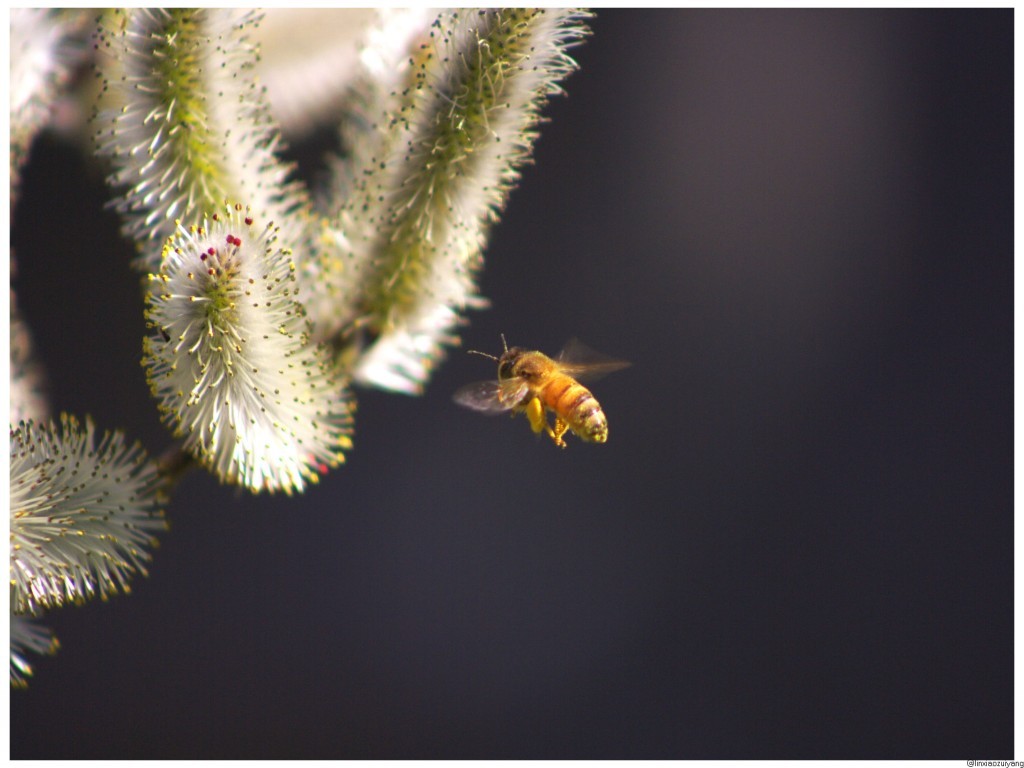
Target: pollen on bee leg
column 535, row 413
column 560, row 429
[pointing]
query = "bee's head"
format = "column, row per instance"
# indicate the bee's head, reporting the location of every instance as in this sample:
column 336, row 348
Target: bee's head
column 510, row 363
column 521, row 363
column 513, row 362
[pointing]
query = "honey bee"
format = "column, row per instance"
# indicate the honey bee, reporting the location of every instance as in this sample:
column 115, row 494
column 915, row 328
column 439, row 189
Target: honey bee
column 532, row 383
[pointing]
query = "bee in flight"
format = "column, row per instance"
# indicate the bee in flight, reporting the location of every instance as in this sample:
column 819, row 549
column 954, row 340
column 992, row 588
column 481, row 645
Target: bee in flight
column 532, row 383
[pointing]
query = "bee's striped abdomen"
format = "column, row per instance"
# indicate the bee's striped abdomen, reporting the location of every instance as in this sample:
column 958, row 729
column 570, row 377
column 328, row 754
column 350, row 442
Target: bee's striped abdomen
column 573, row 403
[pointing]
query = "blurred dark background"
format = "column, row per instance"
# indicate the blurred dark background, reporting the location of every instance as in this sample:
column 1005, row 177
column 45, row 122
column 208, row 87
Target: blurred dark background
column 796, row 544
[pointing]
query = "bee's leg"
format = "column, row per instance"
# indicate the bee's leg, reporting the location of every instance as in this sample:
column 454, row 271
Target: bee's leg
column 535, row 413
column 560, row 429
column 539, row 422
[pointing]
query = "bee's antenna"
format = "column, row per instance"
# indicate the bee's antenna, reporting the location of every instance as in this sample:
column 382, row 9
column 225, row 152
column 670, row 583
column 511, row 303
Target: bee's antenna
column 492, row 357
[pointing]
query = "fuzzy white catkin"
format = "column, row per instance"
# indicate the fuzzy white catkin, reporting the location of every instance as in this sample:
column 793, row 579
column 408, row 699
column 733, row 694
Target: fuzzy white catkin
column 231, row 361
column 28, row 636
column 186, row 125
column 448, row 148
column 83, row 513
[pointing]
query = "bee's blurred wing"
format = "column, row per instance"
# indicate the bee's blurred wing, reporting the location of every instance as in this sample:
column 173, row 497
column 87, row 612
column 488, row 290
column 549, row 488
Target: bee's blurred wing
column 487, row 397
column 581, row 362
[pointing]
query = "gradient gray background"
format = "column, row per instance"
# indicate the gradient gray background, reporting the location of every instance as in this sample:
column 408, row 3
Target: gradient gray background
column 798, row 542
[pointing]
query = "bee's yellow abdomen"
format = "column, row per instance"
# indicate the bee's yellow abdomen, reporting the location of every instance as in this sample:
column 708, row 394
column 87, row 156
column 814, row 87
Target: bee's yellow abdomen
column 573, row 403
